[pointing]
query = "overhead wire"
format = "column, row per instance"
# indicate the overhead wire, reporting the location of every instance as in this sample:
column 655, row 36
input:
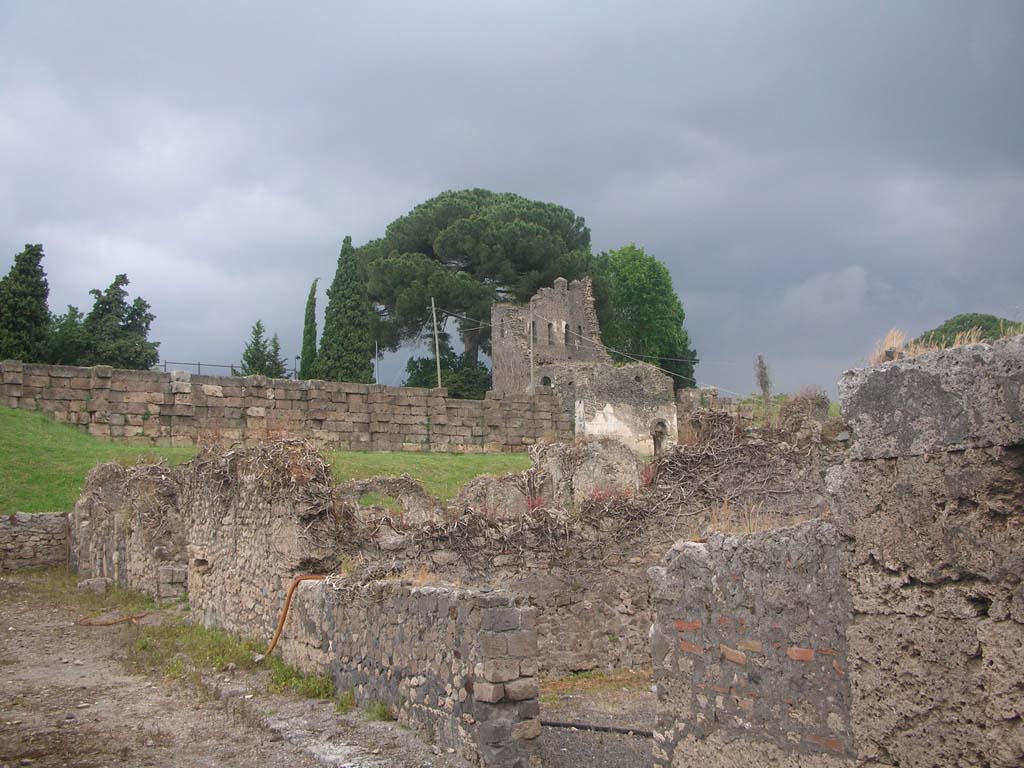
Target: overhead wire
column 633, row 356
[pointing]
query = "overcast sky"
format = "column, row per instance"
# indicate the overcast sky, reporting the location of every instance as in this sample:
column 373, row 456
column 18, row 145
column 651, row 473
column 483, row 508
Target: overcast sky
column 811, row 173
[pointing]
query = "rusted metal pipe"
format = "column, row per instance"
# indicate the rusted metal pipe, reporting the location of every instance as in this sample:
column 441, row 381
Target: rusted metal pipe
column 284, row 612
column 638, row 732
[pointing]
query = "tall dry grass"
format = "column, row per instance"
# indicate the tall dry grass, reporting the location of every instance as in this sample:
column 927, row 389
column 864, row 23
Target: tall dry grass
column 894, row 344
column 751, row 519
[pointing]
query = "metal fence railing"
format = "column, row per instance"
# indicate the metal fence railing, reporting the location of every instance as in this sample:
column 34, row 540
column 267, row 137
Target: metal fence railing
column 212, row 369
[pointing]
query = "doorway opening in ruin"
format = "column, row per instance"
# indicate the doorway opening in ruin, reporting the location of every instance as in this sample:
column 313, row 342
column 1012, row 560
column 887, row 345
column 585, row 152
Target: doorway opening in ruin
column 659, row 431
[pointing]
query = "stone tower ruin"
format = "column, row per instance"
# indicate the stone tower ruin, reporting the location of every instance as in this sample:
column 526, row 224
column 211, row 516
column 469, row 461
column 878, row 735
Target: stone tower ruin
column 563, row 324
column 634, row 403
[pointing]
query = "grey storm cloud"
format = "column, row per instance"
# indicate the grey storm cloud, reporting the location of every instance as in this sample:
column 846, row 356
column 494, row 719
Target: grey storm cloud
column 812, row 173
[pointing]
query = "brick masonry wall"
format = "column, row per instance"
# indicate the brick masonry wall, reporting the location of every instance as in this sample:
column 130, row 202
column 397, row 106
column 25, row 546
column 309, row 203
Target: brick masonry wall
column 749, row 650
column 930, row 508
column 459, row 665
column 28, row 541
column 183, row 409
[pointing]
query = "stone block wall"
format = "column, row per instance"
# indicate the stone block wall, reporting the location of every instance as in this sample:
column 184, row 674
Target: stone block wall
column 749, row 651
column 459, row 665
column 930, row 508
column 181, row 408
column 29, row 541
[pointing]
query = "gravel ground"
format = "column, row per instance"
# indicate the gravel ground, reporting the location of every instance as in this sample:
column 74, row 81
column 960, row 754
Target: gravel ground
column 563, row 748
column 630, row 704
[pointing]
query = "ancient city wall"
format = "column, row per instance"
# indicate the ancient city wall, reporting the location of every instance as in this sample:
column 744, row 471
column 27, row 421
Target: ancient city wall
column 181, row 408
column 460, row 665
column 29, row 541
column 749, row 650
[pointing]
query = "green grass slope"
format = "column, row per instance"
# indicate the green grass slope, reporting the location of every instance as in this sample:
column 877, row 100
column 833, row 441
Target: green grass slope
column 43, row 464
column 442, row 474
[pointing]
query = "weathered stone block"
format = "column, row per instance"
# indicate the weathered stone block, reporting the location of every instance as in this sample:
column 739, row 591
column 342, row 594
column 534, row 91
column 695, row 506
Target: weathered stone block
column 521, row 689
column 966, row 397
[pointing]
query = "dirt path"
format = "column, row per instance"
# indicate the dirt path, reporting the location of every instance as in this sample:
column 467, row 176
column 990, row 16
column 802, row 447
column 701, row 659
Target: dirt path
column 66, row 699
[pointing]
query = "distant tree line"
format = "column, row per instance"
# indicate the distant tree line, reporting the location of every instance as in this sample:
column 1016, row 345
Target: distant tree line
column 114, row 332
column 467, row 249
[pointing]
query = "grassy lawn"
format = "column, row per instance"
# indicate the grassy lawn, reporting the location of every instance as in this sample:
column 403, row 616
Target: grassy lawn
column 173, row 647
column 43, row 464
column 442, row 474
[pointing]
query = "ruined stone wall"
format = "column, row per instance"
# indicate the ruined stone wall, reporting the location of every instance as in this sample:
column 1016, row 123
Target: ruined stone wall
column 30, row 541
column 918, row 602
column 126, row 526
column 749, row 650
column 243, row 523
column 627, row 402
column 930, row 508
column 459, row 665
column 565, row 329
column 255, row 519
column 183, row 409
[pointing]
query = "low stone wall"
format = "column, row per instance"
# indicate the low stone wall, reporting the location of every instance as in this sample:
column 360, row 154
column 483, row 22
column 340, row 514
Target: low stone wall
column 749, row 650
column 28, row 541
column 184, row 409
column 459, row 665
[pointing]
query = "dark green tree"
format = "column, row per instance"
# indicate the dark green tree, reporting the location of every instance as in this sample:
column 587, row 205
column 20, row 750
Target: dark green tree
column 261, row 356
column 68, row 343
column 460, row 377
column 307, row 366
column 640, row 313
column 990, row 326
column 467, row 249
column 346, row 344
column 24, row 315
column 277, row 368
column 118, row 332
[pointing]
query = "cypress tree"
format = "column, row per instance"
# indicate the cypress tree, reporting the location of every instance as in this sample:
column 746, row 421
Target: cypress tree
column 346, row 346
column 24, row 315
column 307, row 365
